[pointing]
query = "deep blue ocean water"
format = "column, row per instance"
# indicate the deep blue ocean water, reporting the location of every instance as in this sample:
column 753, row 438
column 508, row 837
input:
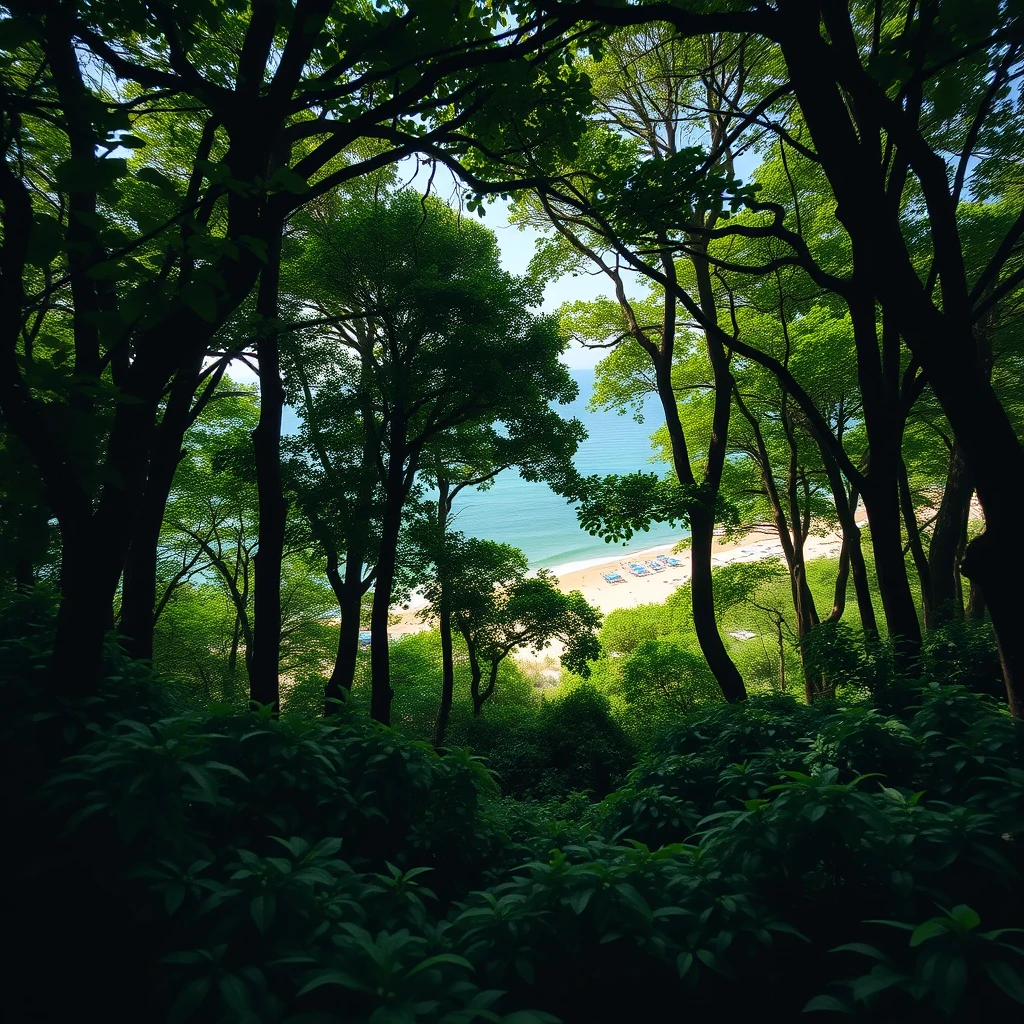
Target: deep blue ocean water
column 532, row 517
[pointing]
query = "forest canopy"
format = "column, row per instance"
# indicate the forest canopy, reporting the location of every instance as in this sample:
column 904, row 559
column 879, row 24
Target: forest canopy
column 258, row 343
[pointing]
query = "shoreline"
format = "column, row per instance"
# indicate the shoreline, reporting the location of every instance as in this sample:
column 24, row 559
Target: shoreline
column 587, row 577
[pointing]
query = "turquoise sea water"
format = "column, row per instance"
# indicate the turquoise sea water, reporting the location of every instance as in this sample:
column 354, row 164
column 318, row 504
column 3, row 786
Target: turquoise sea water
column 532, row 517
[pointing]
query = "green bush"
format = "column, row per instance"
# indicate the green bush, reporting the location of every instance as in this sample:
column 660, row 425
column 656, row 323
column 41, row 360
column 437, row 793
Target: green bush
column 756, row 861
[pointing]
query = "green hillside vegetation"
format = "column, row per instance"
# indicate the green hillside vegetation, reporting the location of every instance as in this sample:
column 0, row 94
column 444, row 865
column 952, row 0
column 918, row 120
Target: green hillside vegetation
column 232, row 794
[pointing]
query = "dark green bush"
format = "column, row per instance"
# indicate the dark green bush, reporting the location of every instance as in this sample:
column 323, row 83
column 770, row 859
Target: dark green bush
column 756, row 861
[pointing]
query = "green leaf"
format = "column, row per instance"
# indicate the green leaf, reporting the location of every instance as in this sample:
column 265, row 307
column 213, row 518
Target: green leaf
column 1007, row 979
column 44, row 241
column 262, row 909
column 860, row 947
column 334, row 978
column 440, row 958
column 579, row 900
column 966, row 918
column 158, row 179
column 827, row 1003
column 173, row 895
column 929, row 930
column 235, row 994
column 878, row 980
column 285, row 178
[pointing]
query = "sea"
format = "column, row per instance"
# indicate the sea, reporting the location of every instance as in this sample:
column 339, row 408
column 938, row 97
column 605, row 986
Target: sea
column 532, row 517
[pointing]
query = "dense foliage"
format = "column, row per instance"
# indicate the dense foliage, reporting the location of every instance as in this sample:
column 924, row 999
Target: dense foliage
column 234, row 795
column 237, row 868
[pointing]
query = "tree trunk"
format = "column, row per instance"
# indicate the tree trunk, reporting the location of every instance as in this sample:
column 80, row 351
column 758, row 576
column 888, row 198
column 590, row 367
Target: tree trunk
column 882, row 506
column 264, row 665
column 842, row 583
column 138, row 586
column 481, row 697
column 349, row 592
column 380, row 666
column 475, row 674
column 444, row 621
column 986, row 570
column 947, row 539
column 88, row 582
column 705, row 622
column 914, row 541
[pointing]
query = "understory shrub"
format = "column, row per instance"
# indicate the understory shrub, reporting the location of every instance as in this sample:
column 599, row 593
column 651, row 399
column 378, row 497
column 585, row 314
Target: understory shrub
column 756, row 861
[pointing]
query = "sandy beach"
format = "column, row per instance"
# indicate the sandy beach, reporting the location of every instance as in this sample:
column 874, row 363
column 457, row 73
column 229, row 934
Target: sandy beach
column 588, row 578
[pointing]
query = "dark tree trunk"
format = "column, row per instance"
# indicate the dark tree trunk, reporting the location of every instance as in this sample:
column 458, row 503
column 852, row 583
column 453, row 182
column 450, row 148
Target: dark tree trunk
column 942, row 340
column 380, row 666
column 842, row 583
column 916, row 546
column 138, row 587
column 88, row 582
column 975, row 609
column 349, row 592
column 444, row 621
column 882, row 506
column 705, row 623
column 480, row 697
column 444, row 625
column 946, row 546
column 264, row 679
column 986, row 570
column 475, row 673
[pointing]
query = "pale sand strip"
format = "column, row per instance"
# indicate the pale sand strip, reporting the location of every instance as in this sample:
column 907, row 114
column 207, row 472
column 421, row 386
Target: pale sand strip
column 652, row 589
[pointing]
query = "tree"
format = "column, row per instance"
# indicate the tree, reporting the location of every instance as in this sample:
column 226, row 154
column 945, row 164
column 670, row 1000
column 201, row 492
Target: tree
column 540, row 445
column 884, row 94
column 333, row 91
column 498, row 608
column 430, row 336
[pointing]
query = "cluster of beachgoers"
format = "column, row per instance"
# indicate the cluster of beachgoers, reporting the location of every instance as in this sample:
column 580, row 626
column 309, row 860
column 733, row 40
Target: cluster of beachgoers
column 645, row 576
column 657, row 564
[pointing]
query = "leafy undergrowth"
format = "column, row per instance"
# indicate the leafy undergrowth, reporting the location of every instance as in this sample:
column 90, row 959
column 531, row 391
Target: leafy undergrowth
column 760, row 860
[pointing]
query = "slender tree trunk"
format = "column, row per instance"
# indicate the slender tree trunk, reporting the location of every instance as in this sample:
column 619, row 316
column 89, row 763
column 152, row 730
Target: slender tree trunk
column 138, row 586
column 264, row 679
column 997, row 587
column 481, row 697
column 842, row 583
column 444, row 621
column 705, row 622
column 475, row 674
column 380, row 666
column 236, row 635
column 349, row 592
column 846, row 510
column 914, row 541
column 882, row 504
column 947, row 543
